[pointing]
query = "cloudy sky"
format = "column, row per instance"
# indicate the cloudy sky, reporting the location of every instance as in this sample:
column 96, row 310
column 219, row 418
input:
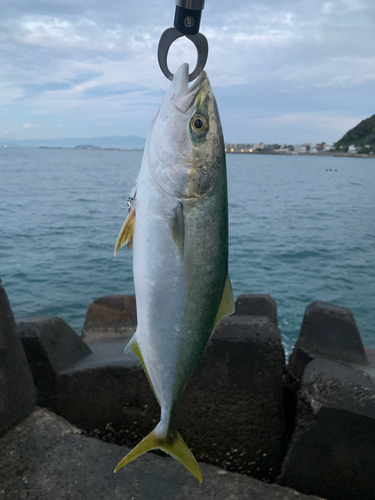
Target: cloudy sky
column 282, row 70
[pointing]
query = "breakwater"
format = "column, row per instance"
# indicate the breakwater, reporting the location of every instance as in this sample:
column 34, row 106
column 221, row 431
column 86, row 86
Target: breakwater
column 308, row 424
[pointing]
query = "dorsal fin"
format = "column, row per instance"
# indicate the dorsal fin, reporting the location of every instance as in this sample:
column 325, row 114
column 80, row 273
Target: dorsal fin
column 133, row 347
column 226, row 306
column 127, row 231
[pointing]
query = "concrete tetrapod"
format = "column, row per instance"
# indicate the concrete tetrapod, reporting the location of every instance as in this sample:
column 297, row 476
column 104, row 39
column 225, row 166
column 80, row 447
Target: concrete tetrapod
column 231, row 413
column 109, row 317
column 256, row 305
column 328, row 331
column 51, row 346
column 331, row 453
column 17, row 391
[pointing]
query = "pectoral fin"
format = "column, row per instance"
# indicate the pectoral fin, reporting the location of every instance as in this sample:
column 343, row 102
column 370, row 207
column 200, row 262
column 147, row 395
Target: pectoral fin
column 126, row 233
column 226, row 306
column 177, row 226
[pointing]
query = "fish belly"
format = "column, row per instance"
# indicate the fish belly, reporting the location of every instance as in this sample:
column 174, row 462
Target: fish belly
column 177, row 295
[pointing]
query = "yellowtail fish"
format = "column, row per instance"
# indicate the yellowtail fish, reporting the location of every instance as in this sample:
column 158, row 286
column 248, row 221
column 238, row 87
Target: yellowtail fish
column 178, row 229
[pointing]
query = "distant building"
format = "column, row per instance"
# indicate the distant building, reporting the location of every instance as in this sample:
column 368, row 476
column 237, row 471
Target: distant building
column 242, row 147
column 320, row 147
column 352, row 149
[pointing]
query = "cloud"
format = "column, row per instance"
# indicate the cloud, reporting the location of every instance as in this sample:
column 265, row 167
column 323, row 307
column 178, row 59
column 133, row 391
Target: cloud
column 30, row 125
column 95, row 63
column 325, row 121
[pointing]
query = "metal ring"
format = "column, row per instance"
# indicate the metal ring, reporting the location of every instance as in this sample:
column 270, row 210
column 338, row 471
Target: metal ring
column 166, row 40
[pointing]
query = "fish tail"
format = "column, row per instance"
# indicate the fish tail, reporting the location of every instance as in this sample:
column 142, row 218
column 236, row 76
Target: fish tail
column 174, row 446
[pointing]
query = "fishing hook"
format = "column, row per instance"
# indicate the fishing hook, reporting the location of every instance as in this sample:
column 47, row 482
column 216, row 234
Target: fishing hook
column 130, row 204
column 186, row 23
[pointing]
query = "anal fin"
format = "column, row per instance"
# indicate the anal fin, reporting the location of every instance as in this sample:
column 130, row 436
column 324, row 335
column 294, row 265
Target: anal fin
column 133, row 347
column 226, row 306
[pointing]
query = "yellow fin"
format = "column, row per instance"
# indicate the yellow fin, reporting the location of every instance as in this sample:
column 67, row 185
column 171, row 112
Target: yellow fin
column 133, row 347
column 174, row 446
column 127, row 231
column 226, row 306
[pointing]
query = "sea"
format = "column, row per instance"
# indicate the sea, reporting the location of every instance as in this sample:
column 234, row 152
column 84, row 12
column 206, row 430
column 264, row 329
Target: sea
column 301, row 228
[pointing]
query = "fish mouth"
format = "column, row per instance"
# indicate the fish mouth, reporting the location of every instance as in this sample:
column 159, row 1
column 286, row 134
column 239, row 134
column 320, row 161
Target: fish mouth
column 184, row 95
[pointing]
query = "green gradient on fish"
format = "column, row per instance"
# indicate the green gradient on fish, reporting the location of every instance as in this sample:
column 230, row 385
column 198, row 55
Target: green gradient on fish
column 178, row 229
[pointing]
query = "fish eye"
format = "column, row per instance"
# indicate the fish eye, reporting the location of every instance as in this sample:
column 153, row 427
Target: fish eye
column 198, row 124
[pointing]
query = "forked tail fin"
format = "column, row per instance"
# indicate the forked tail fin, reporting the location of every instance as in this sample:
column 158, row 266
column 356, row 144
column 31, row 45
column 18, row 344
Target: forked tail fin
column 174, row 446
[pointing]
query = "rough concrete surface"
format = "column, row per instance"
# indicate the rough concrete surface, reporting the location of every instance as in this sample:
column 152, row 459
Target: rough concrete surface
column 333, row 384
column 231, row 413
column 107, row 389
column 51, row 345
column 46, row 458
column 49, row 337
column 256, row 305
column 332, row 452
column 330, row 332
column 109, row 315
column 17, row 390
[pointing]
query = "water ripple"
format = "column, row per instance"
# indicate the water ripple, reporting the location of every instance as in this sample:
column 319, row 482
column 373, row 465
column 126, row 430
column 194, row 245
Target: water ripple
column 297, row 232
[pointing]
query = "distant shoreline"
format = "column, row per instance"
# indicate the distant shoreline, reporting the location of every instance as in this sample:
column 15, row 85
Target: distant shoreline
column 264, row 152
column 293, row 153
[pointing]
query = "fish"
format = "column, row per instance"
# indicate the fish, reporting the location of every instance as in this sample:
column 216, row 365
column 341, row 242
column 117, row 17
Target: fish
column 177, row 227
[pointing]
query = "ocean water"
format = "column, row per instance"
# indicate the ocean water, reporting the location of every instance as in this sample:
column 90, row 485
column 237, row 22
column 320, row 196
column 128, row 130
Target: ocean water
column 302, row 228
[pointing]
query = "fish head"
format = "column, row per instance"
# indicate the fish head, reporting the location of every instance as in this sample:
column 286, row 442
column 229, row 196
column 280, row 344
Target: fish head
column 185, row 145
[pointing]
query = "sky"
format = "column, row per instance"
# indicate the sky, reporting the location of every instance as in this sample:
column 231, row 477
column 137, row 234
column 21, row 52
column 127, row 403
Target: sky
column 282, row 71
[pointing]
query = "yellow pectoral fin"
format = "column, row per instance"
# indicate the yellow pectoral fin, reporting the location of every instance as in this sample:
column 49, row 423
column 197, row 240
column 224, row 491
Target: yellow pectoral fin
column 226, row 306
column 174, row 446
column 127, row 231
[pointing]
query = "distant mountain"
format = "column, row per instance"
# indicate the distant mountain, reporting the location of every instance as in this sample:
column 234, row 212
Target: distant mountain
column 125, row 142
column 361, row 135
column 8, row 142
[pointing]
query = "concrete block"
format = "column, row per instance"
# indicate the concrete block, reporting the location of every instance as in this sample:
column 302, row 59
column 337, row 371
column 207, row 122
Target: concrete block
column 231, row 413
column 328, row 331
column 107, row 394
column 17, row 390
column 45, row 458
column 256, row 305
column 51, row 346
column 109, row 317
column 332, row 449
